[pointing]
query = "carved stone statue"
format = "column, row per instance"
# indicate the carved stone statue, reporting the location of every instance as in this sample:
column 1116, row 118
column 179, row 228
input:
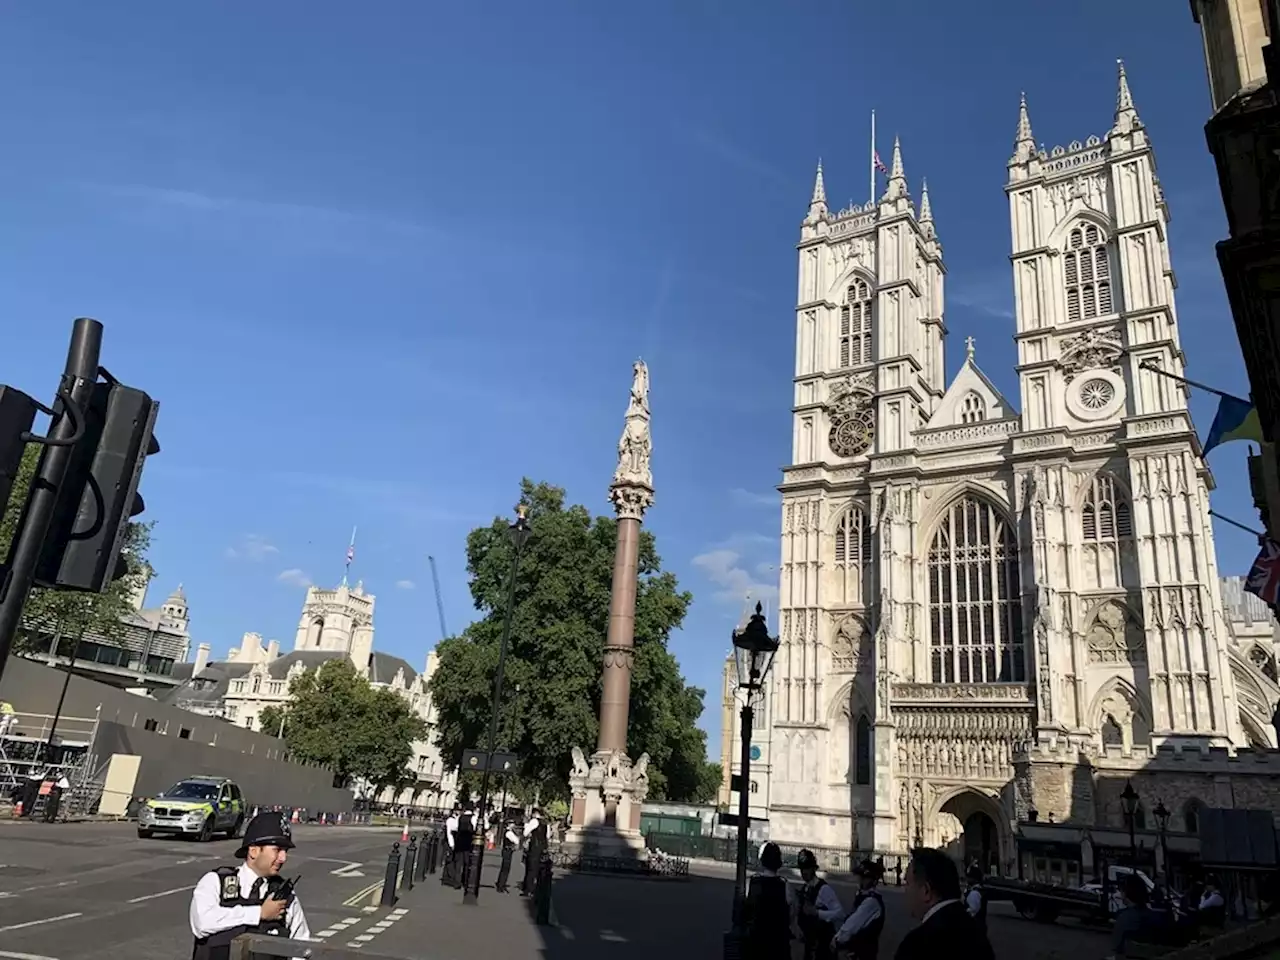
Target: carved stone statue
column 580, row 765
column 636, row 445
column 640, row 771
column 639, row 389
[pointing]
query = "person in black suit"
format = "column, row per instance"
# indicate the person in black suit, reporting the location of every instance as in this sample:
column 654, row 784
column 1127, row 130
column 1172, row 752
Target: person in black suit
column 767, row 910
column 933, row 897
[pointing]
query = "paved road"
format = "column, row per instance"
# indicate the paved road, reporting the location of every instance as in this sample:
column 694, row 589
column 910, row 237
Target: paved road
column 94, row 891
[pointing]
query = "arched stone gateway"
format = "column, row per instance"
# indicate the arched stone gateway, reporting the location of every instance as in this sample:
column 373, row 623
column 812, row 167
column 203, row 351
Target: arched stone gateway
column 973, row 828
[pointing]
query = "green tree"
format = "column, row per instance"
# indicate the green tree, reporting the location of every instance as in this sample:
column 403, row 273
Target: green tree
column 557, row 641
column 709, row 783
column 69, row 612
column 336, row 719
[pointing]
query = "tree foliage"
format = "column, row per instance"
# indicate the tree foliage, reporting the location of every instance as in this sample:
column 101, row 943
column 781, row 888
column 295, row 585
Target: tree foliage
column 559, row 623
column 709, row 783
column 70, row 612
column 336, row 719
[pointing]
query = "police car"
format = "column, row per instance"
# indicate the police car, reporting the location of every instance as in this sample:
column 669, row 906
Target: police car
column 197, row 806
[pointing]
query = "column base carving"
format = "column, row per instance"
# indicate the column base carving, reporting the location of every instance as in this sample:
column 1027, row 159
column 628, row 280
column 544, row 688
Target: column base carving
column 608, row 792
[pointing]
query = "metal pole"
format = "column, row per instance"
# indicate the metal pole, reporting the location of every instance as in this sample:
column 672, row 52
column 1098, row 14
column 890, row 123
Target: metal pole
column 744, row 816
column 66, row 682
column 1133, row 843
column 472, row 895
column 78, row 378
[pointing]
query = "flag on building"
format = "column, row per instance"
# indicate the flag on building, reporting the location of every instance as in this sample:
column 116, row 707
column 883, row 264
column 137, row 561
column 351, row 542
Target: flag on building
column 1263, row 580
column 351, row 554
column 1236, row 419
column 880, row 164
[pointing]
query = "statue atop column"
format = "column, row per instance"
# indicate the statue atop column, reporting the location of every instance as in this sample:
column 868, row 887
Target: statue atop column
column 632, row 489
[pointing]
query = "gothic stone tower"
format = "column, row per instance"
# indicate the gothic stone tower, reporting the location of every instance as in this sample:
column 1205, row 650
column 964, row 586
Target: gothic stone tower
column 338, row 620
column 959, row 578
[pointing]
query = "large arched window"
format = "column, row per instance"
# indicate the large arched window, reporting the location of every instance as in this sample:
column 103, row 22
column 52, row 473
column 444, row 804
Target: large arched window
column 975, row 610
column 853, row 555
column 855, row 325
column 1086, row 268
column 862, row 751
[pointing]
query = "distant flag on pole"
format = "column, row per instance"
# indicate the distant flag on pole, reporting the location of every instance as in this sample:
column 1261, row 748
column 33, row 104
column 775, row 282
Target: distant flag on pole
column 1263, row 580
column 351, row 554
column 880, row 164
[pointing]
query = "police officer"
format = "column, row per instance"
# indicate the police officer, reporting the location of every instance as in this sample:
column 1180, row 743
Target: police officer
column 250, row 898
column 819, row 909
column 975, row 900
column 859, row 935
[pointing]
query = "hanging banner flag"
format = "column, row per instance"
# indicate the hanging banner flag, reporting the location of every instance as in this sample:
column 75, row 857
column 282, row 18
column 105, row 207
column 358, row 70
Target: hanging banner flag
column 1263, row 580
column 1236, row 419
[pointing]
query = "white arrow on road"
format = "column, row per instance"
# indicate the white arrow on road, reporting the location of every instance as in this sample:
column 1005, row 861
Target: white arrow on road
column 348, row 868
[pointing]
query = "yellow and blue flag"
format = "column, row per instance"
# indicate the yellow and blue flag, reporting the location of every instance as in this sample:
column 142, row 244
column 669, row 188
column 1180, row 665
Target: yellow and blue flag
column 1236, row 420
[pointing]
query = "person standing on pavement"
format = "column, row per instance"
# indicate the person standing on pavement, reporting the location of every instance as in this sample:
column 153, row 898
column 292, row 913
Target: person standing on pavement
column 859, row 934
column 250, row 898
column 818, row 910
column 535, row 835
column 464, row 836
column 510, row 840
column 975, row 901
column 766, row 912
column 450, row 828
column 945, row 927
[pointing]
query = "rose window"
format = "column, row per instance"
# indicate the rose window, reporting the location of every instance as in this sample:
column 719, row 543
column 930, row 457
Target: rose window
column 1095, row 394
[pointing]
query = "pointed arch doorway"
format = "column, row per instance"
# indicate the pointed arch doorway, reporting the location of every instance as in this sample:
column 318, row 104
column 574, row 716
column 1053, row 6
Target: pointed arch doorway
column 969, row 829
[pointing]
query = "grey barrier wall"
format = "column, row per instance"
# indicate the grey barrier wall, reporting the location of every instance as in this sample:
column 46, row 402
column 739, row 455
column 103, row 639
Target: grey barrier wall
column 173, row 743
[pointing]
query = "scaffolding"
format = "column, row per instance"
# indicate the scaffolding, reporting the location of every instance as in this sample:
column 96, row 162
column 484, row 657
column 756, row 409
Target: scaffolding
column 42, row 746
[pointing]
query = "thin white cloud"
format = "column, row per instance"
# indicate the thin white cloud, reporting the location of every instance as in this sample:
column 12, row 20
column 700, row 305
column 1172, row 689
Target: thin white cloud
column 993, row 297
column 746, row 498
column 739, row 580
column 252, row 547
column 725, row 149
column 294, row 577
column 405, row 585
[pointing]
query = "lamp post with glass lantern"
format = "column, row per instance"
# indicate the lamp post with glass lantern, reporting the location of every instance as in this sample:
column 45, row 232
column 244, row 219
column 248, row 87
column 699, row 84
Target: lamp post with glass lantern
column 1129, row 802
column 753, row 650
column 1161, row 814
column 519, row 532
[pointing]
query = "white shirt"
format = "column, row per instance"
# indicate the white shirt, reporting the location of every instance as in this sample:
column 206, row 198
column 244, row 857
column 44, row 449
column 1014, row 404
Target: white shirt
column 828, row 904
column 973, row 902
column 531, row 826
column 450, row 826
column 64, row 783
column 209, row 916
column 935, row 908
column 512, row 837
column 1211, row 899
column 868, row 910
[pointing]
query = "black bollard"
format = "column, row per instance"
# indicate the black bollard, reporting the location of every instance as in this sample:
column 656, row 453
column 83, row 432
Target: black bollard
column 410, row 864
column 393, row 871
column 436, row 843
column 542, row 893
column 420, row 864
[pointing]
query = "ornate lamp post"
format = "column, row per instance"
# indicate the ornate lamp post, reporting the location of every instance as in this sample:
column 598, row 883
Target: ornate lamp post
column 1162, row 825
column 519, row 532
column 753, row 649
column 1129, row 801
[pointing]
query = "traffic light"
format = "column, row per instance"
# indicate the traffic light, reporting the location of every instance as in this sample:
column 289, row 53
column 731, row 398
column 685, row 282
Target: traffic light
column 100, row 493
column 17, row 417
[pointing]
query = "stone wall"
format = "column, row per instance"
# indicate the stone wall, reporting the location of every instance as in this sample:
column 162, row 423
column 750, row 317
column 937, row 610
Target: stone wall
column 1083, row 786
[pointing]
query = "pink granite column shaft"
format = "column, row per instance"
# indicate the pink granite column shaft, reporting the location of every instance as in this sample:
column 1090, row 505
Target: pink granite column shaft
column 619, row 644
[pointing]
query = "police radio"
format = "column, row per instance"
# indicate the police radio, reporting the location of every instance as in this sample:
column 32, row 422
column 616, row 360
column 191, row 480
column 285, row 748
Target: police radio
column 285, row 890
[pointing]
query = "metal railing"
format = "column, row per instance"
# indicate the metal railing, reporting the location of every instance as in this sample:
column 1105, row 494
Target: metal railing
column 258, row 947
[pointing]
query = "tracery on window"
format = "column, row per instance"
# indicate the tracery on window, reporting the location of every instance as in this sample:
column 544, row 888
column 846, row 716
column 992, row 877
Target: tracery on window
column 855, row 325
column 1264, row 661
column 1106, row 516
column 1116, row 636
column 1086, row 265
column 973, row 409
column 975, row 608
column 853, row 537
column 851, row 645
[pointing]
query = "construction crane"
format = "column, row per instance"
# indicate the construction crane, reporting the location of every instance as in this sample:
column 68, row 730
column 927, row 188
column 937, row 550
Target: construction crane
column 435, row 581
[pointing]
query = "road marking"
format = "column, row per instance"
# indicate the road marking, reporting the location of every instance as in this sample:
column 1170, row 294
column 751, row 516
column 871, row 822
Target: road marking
column 36, row 923
column 23, row 956
column 611, row 937
column 380, row 927
column 162, row 893
column 335, row 928
column 348, row 868
column 355, row 898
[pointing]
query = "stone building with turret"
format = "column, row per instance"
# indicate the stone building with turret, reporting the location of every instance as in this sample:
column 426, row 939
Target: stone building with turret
column 334, row 624
column 973, row 584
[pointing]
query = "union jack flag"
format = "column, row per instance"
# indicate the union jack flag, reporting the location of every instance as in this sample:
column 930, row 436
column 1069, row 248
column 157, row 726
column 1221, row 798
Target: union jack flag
column 1264, row 576
column 351, row 554
column 880, row 163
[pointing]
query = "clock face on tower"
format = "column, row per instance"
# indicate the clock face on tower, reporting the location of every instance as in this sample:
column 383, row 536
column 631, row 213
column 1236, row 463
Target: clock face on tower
column 853, row 424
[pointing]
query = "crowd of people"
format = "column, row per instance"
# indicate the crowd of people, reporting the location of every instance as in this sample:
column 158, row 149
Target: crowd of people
column 951, row 922
column 528, row 834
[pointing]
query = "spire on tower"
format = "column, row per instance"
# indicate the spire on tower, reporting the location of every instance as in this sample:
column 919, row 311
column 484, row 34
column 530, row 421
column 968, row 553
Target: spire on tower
column 1126, row 114
column 818, row 202
column 1024, row 142
column 897, row 186
column 926, row 211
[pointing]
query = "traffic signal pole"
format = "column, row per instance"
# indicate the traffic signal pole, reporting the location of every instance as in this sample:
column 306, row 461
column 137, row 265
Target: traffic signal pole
column 74, row 393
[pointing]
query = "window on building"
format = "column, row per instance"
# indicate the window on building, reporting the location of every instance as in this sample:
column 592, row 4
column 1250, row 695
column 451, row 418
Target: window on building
column 975, row 610
column 862, row 751
column 853, row 538
column 184, row 733
column 855, row 325
column 973, row 409
column 152, row 725
column 1106, row 516
column 1086, row 265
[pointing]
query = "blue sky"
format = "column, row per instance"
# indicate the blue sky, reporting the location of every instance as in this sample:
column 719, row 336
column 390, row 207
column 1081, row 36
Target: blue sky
column 377, row 266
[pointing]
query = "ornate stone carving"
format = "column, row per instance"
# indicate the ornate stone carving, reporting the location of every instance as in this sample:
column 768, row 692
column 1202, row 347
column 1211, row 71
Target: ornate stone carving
column 1043, row 623
column 962, row 745
column 632, row 487
column 1091, row 350
column 961, row 692
column 851, row 646
column 580, row 766
column 989, row 431
column 884, row 637
column 1116, row 636
column 853, row 419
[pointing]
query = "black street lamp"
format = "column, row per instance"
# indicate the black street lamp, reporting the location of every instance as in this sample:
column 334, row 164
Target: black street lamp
column 753, row 649
column 519, row 533
column 1129, row 801
column 1162, row 825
